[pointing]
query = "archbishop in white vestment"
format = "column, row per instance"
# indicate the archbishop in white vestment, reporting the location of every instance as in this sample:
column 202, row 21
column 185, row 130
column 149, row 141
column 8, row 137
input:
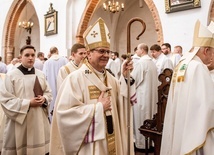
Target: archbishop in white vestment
column 78, row 125
column 90, row 114
column 188, row 124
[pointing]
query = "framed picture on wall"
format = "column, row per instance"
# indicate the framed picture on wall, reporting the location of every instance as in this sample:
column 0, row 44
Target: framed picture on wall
column 180, row 5
column 50, row 22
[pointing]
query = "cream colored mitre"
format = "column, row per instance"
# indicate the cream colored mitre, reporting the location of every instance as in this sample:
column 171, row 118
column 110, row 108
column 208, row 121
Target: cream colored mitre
column 203, row 37
column 97, row 35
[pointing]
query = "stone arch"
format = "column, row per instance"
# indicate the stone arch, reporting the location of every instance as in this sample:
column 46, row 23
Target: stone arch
column 10, row 27
column 92, row 4
column 158, row 26
column 89, row 10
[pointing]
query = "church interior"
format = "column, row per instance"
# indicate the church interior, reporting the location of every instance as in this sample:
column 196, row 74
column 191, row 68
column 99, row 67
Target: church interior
column 49, row 23
column 165, row 21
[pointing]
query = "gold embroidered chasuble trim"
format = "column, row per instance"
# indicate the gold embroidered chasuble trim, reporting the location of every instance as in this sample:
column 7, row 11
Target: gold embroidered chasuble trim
column 67, row 69
column 94, row 94
column 200, row 146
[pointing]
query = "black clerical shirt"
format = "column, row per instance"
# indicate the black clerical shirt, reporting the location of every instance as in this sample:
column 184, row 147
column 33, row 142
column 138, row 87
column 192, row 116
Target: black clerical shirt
column 26, row 70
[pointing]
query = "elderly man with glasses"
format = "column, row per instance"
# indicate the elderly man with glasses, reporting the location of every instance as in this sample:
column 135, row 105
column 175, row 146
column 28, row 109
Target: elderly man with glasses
column 188, row 124
column 91, row 106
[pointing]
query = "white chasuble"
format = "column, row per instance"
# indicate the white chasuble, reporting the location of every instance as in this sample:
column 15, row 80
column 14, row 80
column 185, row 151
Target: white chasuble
column 79, row 125
column 188, row 124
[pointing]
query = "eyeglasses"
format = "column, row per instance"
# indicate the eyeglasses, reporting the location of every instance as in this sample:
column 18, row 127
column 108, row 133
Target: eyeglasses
column 103, row 51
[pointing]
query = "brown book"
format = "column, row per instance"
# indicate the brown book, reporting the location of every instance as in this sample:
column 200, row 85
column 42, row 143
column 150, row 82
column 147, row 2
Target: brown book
column 37, row 88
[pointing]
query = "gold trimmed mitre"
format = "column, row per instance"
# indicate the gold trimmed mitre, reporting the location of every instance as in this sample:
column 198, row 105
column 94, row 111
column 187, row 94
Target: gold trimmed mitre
column 203, row 36
column 97, row 35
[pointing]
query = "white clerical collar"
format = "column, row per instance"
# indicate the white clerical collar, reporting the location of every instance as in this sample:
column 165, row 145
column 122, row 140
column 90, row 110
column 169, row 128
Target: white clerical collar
column 101, row 75
column 28, row 69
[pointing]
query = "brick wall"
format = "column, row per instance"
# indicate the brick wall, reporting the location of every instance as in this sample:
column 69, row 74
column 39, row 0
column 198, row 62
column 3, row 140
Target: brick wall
column 16, row 9
column 91, row 5
column 11, row 24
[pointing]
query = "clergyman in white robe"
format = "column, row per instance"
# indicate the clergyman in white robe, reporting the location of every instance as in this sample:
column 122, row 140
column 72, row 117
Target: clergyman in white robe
column 146, row 82
column 27, row 130
column 162, row 62
column 51, row 68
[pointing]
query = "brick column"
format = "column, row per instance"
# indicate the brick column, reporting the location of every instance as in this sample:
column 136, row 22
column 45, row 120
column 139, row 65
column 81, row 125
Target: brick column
column 9, row 54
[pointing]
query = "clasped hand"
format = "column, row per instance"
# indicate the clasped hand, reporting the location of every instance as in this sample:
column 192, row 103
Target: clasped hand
column 37, row 101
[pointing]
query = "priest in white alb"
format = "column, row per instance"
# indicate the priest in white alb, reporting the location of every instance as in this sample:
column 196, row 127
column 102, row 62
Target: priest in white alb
column 78, row 53
column 146, row 82
column 25, row 96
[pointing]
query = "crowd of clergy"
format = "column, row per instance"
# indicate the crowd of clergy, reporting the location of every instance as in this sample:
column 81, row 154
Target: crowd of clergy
column 48, row 104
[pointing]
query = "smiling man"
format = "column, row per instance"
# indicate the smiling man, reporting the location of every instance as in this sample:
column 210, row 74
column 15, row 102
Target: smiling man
column 89, row 108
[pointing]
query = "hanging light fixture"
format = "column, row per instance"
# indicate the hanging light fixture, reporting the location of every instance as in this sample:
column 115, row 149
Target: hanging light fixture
column 113, row 6
column 27, row 25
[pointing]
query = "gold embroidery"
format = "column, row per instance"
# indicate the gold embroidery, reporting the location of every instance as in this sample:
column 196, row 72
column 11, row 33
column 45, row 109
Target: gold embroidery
column 94, row 92
column 180, row 79
column 94, row 34
column 111, row 144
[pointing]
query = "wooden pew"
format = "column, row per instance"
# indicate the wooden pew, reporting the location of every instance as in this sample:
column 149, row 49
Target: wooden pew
column 152, row 128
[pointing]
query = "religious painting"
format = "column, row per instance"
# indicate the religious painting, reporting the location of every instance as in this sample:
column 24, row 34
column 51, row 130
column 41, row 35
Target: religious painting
column 51, row 21
column 180, row 5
